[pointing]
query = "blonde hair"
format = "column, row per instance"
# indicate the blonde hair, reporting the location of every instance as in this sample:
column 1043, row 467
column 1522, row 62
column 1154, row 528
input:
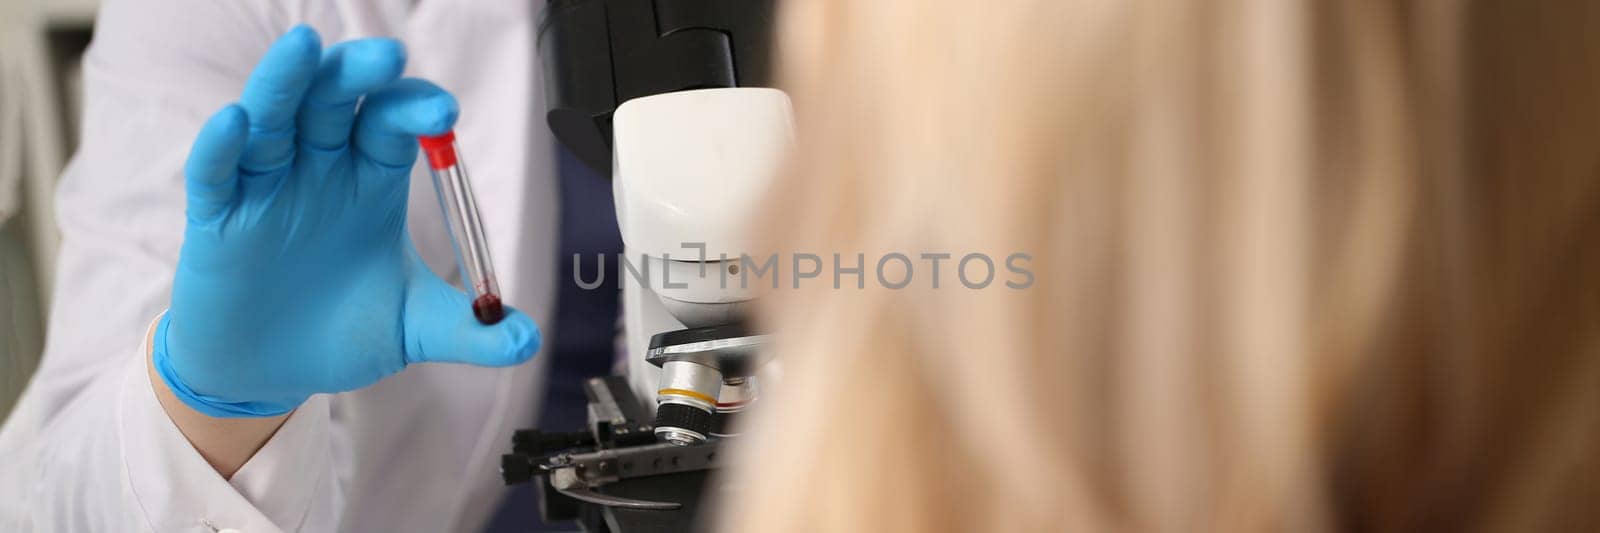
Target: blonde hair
column 1299, row 266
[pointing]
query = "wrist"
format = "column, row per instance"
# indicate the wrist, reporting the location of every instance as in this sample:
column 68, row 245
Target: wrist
column 208, row 405
column 225, row 443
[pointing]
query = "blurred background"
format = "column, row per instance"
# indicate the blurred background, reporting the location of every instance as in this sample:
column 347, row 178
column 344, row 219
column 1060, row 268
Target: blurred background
column 41, row 46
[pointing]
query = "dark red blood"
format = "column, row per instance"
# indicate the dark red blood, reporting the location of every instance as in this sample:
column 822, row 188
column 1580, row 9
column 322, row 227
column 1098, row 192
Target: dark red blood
column 488, row 309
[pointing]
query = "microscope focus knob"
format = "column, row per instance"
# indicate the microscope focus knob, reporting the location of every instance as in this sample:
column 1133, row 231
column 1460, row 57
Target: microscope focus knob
column 516, row 468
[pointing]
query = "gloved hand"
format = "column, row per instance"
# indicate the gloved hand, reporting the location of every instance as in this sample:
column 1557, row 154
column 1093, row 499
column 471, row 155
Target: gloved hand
column 297, row 275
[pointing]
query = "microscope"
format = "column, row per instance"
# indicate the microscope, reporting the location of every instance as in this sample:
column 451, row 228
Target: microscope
column 670, row 99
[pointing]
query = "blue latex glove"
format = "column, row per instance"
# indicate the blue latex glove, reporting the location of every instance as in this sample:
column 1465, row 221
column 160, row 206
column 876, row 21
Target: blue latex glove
column 297, row 274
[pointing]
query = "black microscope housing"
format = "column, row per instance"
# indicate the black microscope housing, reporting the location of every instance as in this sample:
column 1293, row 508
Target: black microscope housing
column 597, row 54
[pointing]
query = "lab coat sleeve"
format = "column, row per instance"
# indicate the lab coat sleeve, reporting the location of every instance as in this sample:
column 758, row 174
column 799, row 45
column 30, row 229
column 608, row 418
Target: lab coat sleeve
column 87, row 447
column 114, row 461
column 287, row 484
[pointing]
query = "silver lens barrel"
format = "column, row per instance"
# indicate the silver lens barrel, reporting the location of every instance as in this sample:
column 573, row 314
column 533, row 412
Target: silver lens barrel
column 686, row 402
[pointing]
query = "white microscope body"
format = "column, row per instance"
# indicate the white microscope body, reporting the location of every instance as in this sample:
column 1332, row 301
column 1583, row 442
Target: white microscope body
column 690, row 168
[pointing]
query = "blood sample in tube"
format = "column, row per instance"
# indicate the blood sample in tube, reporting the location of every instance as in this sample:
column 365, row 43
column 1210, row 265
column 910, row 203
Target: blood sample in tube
column 460, row 209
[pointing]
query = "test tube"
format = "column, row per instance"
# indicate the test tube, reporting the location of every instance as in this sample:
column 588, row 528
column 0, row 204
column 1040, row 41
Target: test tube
column 466, row 226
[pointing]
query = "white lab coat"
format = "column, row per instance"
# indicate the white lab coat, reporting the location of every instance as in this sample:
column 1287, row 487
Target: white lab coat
column 89, row 449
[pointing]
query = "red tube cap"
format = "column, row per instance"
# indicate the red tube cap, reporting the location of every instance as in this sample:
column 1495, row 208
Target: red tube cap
column 441, row 149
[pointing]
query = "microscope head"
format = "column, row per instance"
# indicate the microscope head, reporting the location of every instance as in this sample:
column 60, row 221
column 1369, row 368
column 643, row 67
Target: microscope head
column 691, row 167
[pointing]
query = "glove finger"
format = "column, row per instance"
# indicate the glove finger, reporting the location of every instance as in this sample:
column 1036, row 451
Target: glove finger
column 211, row 173
column 391, row 119
column 440, row 327
column 349, row 70
column 273, row 94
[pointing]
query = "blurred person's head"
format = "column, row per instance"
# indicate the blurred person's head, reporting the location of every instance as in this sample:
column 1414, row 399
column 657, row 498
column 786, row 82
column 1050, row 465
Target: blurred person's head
column 1299, row 266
